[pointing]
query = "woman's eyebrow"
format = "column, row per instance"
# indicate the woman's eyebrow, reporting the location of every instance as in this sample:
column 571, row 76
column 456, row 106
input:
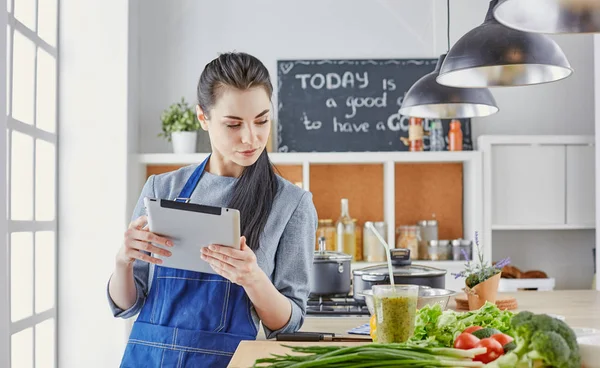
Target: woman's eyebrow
column 238, row 118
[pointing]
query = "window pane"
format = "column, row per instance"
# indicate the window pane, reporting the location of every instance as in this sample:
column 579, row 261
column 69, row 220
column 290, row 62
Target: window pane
column 21, row 184
column 45, row 159
column 8, row 57
column 22, row 349
column 23, row 78
column 44, row 344
column 44, row 271
column 25, row 12
column 47, row 20
column 46, row 92
column 21, row 275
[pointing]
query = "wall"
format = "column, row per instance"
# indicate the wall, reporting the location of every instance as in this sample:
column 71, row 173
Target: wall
column 93, row 152
column 174, row 51
column 4, row 252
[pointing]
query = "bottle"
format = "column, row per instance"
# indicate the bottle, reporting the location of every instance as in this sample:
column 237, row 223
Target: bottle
column 415, row 134
column 345, row 231
column 455, row 136
column 436, row 139
column 358, row 249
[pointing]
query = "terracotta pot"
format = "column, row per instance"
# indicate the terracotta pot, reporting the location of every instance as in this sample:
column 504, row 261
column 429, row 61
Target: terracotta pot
column 486, row 291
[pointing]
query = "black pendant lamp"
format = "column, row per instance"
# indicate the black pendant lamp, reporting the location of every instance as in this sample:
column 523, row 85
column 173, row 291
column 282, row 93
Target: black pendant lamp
column 431, row 100
column 493, row 55
column 550, row 16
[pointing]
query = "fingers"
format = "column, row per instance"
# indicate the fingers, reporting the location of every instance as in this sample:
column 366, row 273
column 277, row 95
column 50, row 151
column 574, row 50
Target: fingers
column 141, row 245
column 135, row 234
column 136, row 254
column 139, row 222
column 209, row 255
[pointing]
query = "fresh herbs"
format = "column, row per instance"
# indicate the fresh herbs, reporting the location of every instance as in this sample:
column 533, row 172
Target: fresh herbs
column 434, row 327
column 476, row 274
column 372, row 355
column 179, row 117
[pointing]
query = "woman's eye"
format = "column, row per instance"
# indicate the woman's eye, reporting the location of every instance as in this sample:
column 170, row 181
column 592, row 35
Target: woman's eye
column 233, row 126
column 262, row 122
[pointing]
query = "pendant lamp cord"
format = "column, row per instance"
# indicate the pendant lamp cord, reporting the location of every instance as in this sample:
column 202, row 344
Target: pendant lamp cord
column 448, row 23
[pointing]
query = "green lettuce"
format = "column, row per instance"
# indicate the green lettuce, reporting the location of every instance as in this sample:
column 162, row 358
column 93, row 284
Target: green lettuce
column 435, row 327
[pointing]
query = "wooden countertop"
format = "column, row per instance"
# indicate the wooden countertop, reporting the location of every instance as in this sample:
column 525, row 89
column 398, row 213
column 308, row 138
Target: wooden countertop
column 580, row 308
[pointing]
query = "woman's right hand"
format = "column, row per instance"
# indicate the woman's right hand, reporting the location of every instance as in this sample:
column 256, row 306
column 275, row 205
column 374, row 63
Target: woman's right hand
column 138, row 239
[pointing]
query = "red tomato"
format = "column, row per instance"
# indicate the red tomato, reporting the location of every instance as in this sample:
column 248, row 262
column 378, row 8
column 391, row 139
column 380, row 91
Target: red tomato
column 465, row 341
column 502, row 338
column 472, row 329
column 494, row 350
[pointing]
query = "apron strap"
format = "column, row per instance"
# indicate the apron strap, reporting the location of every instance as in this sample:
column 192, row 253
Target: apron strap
column 190, row 185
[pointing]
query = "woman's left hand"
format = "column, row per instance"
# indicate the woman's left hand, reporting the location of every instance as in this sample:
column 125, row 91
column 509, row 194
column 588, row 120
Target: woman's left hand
column 238, row 266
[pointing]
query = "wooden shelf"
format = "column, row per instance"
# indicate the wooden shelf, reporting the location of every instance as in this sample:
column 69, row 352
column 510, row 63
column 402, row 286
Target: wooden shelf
column 545, row 227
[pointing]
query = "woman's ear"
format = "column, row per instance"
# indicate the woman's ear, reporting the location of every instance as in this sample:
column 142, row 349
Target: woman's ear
column 201, row 118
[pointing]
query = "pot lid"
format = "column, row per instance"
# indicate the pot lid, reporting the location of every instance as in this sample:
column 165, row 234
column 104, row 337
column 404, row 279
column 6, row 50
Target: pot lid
column 327, row 255
column 402, row 271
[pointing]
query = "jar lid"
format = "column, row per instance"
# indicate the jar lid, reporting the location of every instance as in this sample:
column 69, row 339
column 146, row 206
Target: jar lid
column 439, row 243
column 327, row 255
column 325, row 221
column 426, row 223
column 461, row 243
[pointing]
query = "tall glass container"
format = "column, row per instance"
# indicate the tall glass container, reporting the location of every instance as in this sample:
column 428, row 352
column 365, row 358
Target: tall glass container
column 346, row 231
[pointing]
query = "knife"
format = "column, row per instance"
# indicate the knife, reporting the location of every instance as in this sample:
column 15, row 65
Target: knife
column 319, row 336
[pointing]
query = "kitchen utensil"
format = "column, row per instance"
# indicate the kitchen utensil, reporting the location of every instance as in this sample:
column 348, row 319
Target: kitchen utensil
column 331, row 272
column 427, row 296
column 319, row 336
column 404, row 273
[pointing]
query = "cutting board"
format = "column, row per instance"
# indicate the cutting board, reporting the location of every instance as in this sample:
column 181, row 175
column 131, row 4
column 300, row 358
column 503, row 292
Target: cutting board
column 248, row 351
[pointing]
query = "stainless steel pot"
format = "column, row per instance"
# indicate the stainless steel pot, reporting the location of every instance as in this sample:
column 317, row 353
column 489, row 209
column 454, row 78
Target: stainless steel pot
column 331, row 272
column 404, row 273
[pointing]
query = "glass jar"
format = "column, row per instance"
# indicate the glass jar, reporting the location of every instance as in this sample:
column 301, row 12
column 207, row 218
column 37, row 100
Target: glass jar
column 429, row 231
column 409, row 238
column 415, row 134
column 461, row 250
column 439, row 250
column 373, row 250
column 345, row 231
column 326, row 229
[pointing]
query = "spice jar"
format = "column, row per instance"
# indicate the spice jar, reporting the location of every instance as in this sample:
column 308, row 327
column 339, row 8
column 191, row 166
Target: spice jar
column 460, row 248
column 415, row 135
column 455, row 136
column 326, row 229
column 408, row 238
column 439, row 250
column 373, row 250
column 429, row 231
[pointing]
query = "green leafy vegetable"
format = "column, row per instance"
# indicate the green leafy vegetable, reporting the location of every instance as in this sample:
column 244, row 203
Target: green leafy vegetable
column 373, row 355
column 434, row 327
column 542, row 340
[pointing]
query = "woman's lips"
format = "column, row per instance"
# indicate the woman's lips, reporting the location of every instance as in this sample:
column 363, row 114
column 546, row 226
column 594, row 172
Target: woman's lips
column 248, row 153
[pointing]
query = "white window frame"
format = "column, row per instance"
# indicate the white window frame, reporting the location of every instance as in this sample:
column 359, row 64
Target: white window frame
column 7, row 327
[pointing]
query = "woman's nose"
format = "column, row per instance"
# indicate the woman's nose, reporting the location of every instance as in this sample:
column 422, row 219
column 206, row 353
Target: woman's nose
column 248, row 134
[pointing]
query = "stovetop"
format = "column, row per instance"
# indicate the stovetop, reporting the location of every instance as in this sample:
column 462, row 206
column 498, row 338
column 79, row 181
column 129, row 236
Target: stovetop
column 336, row 306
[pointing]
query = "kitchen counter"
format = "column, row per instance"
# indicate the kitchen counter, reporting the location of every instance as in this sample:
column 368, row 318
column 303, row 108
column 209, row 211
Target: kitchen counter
column 580, row 309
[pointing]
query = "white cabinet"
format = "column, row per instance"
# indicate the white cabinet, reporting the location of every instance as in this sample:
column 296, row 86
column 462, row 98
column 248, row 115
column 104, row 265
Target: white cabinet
column 528, row 185
column 581, row 190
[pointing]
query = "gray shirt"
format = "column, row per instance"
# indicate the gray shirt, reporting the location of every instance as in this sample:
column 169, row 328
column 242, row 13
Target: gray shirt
column 286, row 244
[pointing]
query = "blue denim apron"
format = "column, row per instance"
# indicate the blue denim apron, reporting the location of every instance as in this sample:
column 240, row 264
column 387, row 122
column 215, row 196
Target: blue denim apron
column 189, row 319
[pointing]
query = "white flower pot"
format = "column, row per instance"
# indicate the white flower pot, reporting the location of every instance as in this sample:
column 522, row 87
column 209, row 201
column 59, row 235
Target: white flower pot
column 184, row 142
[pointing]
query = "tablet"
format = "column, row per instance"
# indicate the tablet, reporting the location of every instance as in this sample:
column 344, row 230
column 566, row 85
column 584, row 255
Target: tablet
column 191, row 226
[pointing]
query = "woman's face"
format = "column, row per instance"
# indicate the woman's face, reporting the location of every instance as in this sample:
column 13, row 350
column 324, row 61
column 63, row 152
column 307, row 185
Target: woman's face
column 239, row 124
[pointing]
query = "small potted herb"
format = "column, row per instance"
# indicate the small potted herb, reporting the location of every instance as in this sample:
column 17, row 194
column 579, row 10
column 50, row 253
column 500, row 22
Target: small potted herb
column 482, row 279
column 180, row 125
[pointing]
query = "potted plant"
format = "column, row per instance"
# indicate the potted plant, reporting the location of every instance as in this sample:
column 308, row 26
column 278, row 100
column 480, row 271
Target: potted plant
column 180, row 125
column 482, row 279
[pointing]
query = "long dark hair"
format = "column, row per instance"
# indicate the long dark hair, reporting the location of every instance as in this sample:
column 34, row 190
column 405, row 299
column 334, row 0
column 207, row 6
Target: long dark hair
column 256, row 188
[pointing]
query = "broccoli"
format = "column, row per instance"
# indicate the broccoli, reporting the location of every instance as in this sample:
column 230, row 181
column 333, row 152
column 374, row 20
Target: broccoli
column 542, row 341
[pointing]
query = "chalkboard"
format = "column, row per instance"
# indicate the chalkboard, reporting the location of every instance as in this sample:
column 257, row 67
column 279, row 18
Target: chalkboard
column 349, row 105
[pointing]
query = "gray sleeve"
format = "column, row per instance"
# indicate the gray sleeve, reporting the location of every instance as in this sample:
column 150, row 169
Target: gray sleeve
column 140, row 269
column 293, row 262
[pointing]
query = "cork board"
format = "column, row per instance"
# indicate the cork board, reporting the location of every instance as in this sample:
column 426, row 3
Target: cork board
column 160, row 169
column 291, row 173
column 426, row 189
column 361, row 184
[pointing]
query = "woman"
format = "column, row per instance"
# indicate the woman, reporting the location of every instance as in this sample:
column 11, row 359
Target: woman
column 192, row 319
